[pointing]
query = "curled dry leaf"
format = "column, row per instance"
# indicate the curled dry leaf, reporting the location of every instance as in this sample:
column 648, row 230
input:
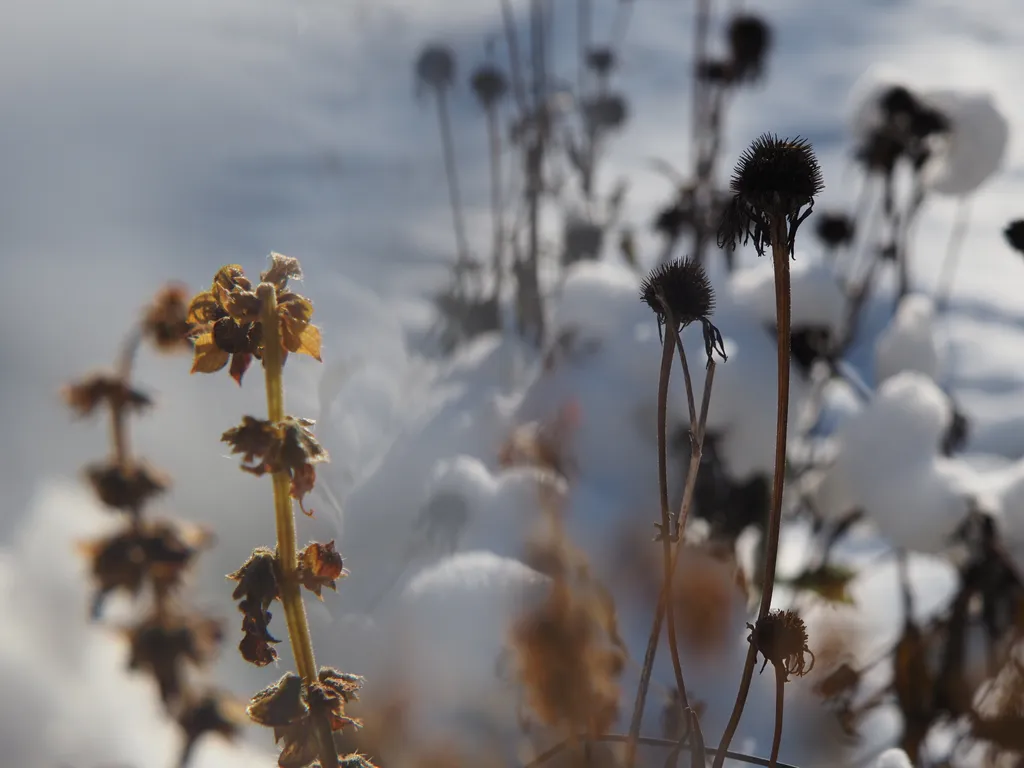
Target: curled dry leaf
column 257, row 589
column 320, row 565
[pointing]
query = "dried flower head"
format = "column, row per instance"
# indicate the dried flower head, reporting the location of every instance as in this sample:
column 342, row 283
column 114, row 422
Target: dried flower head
column 257, row 589
column 680, row 293
column 84, row 396
column 225, row 319
column 165, row 321
column 435, row 66
column 157, row 550
column 125, row 488
column 750, row 38
column 781, row 638
column 287, row 446
column 162, row 646
column 288, row 707
column 1014, row 234
column 835, row 229
column 211, row 712
column 489, row 84
column 320, row 565
column 601, row 60
column 773, row 189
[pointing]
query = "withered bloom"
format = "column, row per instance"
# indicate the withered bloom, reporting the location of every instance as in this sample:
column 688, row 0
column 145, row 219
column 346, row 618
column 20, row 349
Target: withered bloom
column 165, row 321
column 750, row 38
column 680, row 293
column 210, row 713
column 601, row 60
column 287, row 446
column 320, row 565
column 159, row 550
column 162, row 646
column 225, row 319
column 773, row 187
column 1014, row 234
column 489, row 84
column 288, row 706
column 86, row 395
column 835, row 229
column 257, row 589
column 125, row 488
column 781, row 638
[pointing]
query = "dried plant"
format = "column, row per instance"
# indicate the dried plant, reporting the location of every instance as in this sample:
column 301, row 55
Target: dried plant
column 170, row 641
column 237, row 320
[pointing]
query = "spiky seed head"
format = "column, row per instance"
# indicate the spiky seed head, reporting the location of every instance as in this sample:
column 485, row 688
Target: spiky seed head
column 835, row 229
column 682, row 286
column 435, row 66
column 601, row 60
column 777, row 177
column 489, row 84
column 1014, row 234
column 750, row 38
column 781, row 638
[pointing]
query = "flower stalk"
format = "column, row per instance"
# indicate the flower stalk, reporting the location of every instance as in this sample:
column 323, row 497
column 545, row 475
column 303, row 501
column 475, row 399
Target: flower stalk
column 284, row 516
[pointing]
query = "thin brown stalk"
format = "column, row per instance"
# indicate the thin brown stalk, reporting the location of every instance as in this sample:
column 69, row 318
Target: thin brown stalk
column 780, row 696
column 780, row 258
column 664, row 597
column 515, row 63
column 284, row 516
column 451, row 173
column 497, row 211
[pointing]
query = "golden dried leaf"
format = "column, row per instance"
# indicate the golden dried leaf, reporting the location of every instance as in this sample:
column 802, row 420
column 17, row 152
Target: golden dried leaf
column 309, row 343
column 229, row 277
column 208, row 357
column 204, row 309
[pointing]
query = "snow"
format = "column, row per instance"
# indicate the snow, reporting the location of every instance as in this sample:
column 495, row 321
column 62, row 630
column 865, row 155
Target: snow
column 893, row 758
column 888, row 465
column 818, row 298
column 975, row 148
column 908, row 342
column 292, row 127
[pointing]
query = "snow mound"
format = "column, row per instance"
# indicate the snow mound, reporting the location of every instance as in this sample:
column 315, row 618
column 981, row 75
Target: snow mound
column 908, row 342
column 975, row 147
column 818, row 300
column 888, row 466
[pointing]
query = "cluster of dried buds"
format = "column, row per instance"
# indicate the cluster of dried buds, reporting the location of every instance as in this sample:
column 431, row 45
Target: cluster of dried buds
column 148, row 555
column 237, row 322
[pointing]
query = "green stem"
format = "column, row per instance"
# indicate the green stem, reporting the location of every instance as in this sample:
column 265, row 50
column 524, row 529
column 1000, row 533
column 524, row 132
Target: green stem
column 287, row 549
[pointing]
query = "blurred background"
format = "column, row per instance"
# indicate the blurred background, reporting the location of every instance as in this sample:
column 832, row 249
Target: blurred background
column 147, row 142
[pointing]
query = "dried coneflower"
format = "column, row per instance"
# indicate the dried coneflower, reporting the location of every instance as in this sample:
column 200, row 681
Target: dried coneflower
column 781, row 638
column 834, row 229
column 750, row 39
column 773, row 189
column 680, row 294
column 489, row 84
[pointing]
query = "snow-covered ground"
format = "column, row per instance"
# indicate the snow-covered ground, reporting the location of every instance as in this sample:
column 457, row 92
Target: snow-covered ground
column 143, row 142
